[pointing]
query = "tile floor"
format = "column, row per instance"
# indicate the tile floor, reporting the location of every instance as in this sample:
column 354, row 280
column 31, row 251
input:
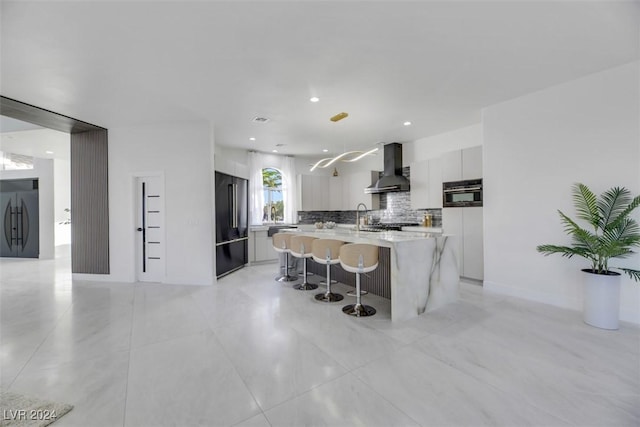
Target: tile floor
column 253, row 352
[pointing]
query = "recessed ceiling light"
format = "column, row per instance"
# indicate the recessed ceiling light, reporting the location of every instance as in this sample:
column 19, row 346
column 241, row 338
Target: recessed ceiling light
column 49, row 152
column 407, row 123
column 274, row 151
column 314, row 99
column 325, row 151
column 252, row 139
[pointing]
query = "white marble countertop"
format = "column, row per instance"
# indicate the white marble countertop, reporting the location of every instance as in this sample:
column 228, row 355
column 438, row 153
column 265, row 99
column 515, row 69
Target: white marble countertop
column 423, row 229
column 266, row 227
column 349, row 232
column 380, row 238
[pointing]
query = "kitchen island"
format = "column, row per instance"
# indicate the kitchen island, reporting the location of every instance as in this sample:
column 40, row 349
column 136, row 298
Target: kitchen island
column 424, row 272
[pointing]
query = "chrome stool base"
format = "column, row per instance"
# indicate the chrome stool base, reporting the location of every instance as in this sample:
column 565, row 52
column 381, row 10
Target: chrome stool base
column 306, row 287
column 324, row 282
column 358, row 310
column 355, row 294
column 329, row 297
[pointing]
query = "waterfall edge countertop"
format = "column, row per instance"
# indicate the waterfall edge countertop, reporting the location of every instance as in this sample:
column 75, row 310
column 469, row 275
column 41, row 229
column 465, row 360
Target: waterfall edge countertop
column 424, row 268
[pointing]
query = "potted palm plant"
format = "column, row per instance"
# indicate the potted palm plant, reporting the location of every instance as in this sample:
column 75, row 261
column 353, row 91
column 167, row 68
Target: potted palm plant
column 611, row 233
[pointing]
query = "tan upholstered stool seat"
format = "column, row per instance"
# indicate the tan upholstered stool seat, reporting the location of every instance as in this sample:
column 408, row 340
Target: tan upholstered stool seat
column 359, row 258
column 301, row 248
column 282, row 244
column 327, row 251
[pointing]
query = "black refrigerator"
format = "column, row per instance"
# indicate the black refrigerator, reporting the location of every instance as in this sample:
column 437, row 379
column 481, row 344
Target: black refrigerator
column 232, row 223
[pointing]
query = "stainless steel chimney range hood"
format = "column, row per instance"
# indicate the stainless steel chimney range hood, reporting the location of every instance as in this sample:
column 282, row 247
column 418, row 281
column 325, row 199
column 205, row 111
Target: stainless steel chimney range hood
column 392, row 180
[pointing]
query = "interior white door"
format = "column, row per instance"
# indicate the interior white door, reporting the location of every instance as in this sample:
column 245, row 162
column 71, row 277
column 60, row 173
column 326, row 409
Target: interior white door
column 150, row 241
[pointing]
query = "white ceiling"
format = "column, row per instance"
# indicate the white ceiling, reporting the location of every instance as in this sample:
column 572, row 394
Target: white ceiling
column 23, row 138
column 436, row 64
column 7, row 124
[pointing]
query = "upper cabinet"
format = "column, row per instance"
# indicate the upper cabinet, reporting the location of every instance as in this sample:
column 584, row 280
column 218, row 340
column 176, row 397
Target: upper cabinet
column 426, row 184
column 451, row 166
column 313, row 192
column 336, row 193
column 472, row 163
column 419, row 184
column 356, row 183
column 460, row 165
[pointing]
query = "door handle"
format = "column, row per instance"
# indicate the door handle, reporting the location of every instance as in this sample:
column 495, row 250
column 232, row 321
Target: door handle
column 235, row 205
column 139, row 229
column 8, row 225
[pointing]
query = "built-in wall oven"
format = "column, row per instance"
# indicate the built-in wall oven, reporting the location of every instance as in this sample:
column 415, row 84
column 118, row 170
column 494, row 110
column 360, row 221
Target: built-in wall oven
column 462, row 193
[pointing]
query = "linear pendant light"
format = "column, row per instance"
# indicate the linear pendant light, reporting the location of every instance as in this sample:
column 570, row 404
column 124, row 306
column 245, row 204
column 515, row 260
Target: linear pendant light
column 326, row 162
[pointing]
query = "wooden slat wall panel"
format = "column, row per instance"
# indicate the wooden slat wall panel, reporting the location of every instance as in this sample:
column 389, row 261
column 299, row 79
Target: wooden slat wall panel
column 89, row 203
column 45, row 118
column 377, row 282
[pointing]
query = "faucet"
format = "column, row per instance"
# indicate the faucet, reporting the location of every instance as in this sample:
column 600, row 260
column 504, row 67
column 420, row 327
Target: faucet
column 358, row 214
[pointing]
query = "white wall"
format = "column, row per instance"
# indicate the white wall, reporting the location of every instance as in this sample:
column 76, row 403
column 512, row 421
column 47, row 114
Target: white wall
column 182, row 151
column 43, row 170
column 535, row 148
column 232, row 161
column 62, row 200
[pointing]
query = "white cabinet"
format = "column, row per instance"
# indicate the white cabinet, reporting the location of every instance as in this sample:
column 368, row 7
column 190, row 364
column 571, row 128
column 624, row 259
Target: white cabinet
column 462, row 164
column 314, row 192
column 467, row 224
column 419, row 184
column 435, row 184
column 426, row 184
column 355, row 183
column 263, row 247
column 452, row 224
column 472, row 163
column 473, row 255
column 336, row 193
column 452, row 166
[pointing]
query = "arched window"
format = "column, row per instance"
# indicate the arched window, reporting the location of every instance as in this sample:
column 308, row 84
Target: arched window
column 273, row 198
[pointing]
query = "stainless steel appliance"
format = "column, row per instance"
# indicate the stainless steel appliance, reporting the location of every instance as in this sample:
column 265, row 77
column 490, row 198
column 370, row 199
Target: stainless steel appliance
column 392, row 179
column 232, row 219
column 20, row 222
column 388, row 226
column 462, row 193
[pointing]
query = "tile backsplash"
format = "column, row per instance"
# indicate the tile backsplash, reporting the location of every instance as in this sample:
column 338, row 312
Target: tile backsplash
column 394, row 207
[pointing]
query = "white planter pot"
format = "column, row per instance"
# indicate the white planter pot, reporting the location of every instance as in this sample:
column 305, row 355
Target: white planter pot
column 601, row 299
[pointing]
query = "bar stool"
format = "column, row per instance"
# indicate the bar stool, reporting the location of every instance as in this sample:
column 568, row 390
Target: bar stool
column 327, row 251
column 301, row 248
column 282, row 244
column 358, row 258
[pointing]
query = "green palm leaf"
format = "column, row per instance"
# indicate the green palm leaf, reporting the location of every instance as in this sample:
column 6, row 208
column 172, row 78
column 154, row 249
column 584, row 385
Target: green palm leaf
column 634, row 274
column 625, row 213
column 586, row 204
column 566, row 251
column 611, row 205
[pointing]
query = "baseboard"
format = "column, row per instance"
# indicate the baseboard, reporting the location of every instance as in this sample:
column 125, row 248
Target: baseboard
column 188, row 281
column 626, row 315
column 629, row 316
column 530, row 295
column 96, row 278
